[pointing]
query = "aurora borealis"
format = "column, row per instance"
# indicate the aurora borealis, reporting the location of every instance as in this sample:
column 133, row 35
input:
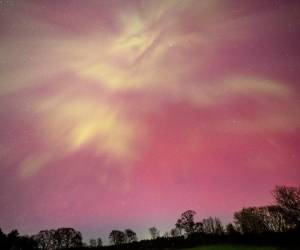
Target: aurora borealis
column 118, row 114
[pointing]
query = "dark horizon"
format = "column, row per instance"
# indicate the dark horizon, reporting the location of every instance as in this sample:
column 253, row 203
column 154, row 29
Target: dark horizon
column 251, row 225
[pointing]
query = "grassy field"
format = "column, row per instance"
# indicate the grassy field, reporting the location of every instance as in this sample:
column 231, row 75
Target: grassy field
column 231, row 247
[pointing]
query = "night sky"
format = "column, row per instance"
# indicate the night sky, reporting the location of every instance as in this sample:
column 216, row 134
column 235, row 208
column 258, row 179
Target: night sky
column 124, row 114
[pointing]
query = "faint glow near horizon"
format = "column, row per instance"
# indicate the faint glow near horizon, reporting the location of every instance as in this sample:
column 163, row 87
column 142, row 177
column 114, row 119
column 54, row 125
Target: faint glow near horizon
column 130, row 112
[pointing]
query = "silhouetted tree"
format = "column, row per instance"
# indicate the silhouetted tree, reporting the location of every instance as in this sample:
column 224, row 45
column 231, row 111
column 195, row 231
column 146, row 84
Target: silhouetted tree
column 45, row 239
column 250, row 220
column 230, row 229
column 130, row 236
column 186, row 221
column 3, row 240
column 68, row 238
column 273, row 218
column 26, row 243
column 85, row 245
column 178, row 225
column 93, row 243
column 218, row 227
column 198, row 227
column 261, row 219
column 154, row 232
column 99, row 242
column 288, row 198
column 166, row 234
column 174, row 232
column 117, row 237
column 212, row 226
column 12, row 237
column 208, row 225
column 14, row 241
column 58, row 239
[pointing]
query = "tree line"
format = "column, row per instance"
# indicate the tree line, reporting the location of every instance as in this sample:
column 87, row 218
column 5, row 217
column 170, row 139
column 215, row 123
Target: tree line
column 272, row 224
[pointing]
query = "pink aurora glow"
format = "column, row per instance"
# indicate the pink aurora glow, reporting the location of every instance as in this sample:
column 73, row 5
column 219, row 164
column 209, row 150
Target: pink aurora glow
column 118, row 114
